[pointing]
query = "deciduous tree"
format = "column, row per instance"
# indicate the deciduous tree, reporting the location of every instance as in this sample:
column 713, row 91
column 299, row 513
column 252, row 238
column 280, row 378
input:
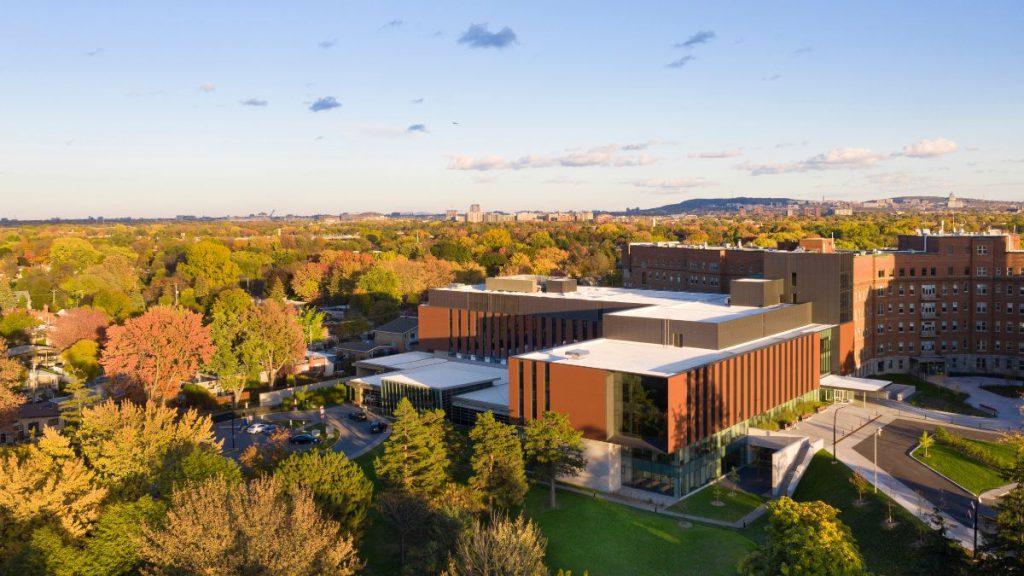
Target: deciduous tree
column 84, row 323
column 274, row 339
column 262, row 528
column 82, row 359
column 129, row 445
column 157, row 351
column 554, row 448
column 48, row 481
column 505, row 547
column 232, row 317
column 805, row 538
column 209, row 267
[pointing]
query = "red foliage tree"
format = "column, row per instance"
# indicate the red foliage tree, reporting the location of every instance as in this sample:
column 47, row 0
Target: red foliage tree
column 85, row 323
column 157, row 351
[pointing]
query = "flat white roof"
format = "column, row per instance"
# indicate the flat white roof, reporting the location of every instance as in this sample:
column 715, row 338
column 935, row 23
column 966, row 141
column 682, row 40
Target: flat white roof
column 607, row 294
column 440, row 375
column 495, row 395
column 697, row 311
column 851, row 383
column 402, row 361
column 653, row 359
column 448, row 375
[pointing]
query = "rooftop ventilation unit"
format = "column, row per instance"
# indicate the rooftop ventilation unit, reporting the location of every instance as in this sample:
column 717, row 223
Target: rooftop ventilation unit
column 577, row 353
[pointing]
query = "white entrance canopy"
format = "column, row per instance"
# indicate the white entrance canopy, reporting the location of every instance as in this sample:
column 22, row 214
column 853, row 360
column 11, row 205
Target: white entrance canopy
column 851, row 383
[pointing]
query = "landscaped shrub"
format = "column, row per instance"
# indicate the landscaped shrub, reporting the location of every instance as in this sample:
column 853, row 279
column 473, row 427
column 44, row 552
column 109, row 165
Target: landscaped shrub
column 972, row 450
column 195, row 396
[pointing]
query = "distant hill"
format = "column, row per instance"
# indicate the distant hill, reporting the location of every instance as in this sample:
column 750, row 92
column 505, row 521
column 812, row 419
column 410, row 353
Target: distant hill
column 708, row 205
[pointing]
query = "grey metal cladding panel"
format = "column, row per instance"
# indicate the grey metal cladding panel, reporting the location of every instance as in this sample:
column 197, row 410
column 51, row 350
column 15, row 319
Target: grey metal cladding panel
column 695, row 334
column 634, row 329
column 739, row 330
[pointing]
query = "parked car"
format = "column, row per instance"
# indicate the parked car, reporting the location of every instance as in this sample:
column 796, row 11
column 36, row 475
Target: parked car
column 378, row 427
column 260, row 428
column 303, row 439
column 359, row 416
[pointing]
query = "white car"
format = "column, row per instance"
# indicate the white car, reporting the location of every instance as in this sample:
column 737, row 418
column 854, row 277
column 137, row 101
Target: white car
column 259, row 428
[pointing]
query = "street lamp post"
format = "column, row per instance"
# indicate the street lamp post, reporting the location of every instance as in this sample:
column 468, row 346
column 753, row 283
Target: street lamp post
column 877, row 433
column 835, row 416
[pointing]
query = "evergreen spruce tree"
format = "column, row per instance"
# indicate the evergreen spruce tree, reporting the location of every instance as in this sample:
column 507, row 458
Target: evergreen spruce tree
column 498, row 469
column 554, row 448
column 415, row 460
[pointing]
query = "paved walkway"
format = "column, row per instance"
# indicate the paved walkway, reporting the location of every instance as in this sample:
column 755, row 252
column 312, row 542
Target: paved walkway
column 1007, row 408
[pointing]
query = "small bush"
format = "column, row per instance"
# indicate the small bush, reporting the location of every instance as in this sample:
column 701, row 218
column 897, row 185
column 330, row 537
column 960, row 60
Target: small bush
column 196, row 396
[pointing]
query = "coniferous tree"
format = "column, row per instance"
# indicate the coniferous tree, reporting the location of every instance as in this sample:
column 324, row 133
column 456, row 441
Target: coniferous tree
column 339, row 486
column 415, row 460
column 498, row 469
column 554, row 448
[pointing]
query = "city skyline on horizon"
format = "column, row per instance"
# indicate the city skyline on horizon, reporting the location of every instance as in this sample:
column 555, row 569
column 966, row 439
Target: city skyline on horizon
column 154, row 111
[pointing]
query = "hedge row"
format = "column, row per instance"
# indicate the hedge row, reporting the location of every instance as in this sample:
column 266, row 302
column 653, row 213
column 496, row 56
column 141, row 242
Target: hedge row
column 972, row 450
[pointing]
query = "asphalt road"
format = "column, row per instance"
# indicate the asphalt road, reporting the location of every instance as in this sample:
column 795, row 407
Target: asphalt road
column 898, row 438
column 354, row 440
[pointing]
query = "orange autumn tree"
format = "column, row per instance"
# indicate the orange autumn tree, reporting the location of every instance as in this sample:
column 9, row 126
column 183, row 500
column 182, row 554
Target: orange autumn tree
column 157, row 351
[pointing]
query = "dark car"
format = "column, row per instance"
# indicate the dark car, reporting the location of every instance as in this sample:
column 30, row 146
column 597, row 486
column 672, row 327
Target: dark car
column 359, row 416
column 303, row 439
column 378, row 427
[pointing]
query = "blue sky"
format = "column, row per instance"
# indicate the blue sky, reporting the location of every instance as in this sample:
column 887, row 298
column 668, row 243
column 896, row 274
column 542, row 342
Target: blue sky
column 155, row 109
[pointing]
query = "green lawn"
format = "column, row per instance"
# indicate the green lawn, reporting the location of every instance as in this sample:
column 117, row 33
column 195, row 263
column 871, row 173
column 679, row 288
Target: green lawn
column 737, row 505
column 887, row 552
column 608, row 539
column 935, row 397
column 970, row 474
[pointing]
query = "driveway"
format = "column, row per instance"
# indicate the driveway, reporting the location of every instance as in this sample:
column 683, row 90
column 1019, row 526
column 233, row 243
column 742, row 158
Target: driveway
column 354, row 438
column 898, row 438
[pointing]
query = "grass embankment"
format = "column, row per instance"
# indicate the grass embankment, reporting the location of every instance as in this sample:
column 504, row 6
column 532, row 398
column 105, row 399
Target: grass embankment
column 977, row 465
column 891, row 551
column 735, row 504
column 935, row 397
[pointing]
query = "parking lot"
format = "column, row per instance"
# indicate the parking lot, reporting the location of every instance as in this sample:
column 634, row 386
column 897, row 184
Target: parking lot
column 354, row 437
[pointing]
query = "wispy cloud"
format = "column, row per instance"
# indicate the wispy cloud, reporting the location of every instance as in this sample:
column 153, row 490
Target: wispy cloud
column 702, row 37
column 715, row 154
column 207, row 87
column 671, row 185
column 480, row 36
column 836, row 158
column 416, row 128
column 680, row 62
column 928, row 148
column 253, row 102
column 325, row 103
column 327, row 44
column 600, row 156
